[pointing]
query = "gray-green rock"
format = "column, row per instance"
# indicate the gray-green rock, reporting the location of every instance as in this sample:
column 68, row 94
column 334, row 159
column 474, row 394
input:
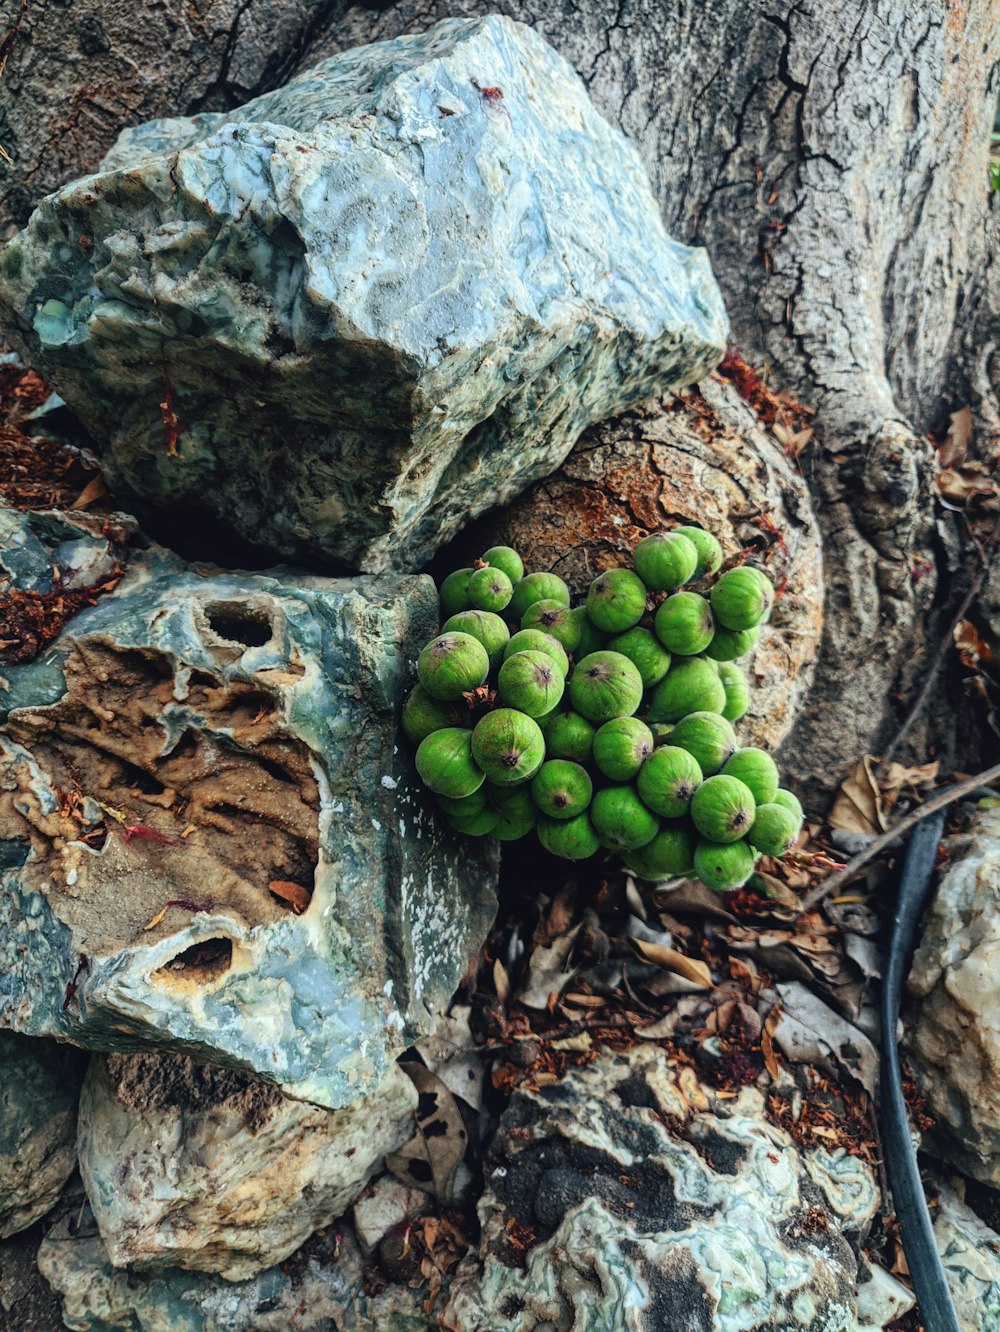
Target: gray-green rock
column 360, row 309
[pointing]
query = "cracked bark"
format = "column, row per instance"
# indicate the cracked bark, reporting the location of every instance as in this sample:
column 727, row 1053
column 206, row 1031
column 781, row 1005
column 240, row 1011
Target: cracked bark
column 831, row 156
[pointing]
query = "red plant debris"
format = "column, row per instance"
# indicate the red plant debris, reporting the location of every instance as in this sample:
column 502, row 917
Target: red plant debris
column 30, row 621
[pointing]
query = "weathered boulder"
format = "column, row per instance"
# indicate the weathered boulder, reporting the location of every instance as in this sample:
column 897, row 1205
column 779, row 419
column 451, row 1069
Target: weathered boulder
column 627, row 1195
column 207, row 1169
column 970, row 1251
column 700, row 458
column 198, row 756
column 953, row 1040
column 347, row 316
column 39, row 1088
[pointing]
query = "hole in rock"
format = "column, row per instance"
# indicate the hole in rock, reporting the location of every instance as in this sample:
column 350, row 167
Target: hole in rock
column 204, row 961
column 238, row 623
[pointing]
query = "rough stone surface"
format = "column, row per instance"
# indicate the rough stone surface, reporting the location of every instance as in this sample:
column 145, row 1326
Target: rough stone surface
column 970, row 1251
column 645, row 1202
column 39, row 1087
column 206, row 1169
column 953, row 1040
column 375, row 302
column 701, row 457
column 188, row 742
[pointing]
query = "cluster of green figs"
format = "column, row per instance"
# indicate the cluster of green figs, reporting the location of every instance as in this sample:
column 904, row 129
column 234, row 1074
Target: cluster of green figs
column 608, row 724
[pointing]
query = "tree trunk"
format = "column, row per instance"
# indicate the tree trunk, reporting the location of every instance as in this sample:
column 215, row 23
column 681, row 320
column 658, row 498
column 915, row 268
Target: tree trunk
column 833, row 159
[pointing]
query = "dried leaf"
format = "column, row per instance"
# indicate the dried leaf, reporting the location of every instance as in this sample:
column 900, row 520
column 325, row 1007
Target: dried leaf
column 152, row 924
column 634, row 898
column 810, row 1032
column 431, row 1157
column 661, row 1030
column 501, row 981
column 449, row 1051
column 90, row 494
column 792, row 441
column 673, row 961
column 767, row 1042
column 782, row 902
column 559, row 918
column 955, row 448
column 897, row 777
column 974, row 649
column 962, row 485
column 293, row 893
column 858, row 806
column 547, row 974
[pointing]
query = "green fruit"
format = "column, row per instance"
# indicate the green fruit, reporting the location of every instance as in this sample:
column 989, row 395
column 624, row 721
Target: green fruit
column 774, row 830
column 742, row 598
column 665, row 560
column 671, row 852
column 570, row 737
column 506, row 559
column 709, row 737
column 547, row 718
column 592, row 639
column 508, row 746
column 572, row 839
column 454, row 592
column 536, row 640
column 646, row 653
column 537, row 587
column 490, row 589
column 667, row 781
column 518, row 812
column 464, row 807
column 621, row 747
column 561, row 789
column 530, row 682
column 422, row 715
column 661, row 732
column 783, row 797
column 476, row 825
column 485, row 628
column 734, row 682
column 708, row 548
column 554, row 619
column 452, row 664
column 728, row 644
column 756, row 770
column 605, row 685
column 616, row 600
column 621, row 819
column 684, row 623
column 723, row 867
column 446, row 765
column 722, row 809
column 692, row 685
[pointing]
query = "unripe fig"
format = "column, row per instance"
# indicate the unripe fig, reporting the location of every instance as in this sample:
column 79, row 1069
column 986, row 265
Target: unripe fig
column 452, row 664
column 506, row 559
column 508, row 746
column 734, row 682
column 708, row 548
column 616, row 600
column 592, row 639
column 605, row 685
column 621, row 747
column 489, row 589
column 547, row 718
column 537, row 587
column 561, row 789
column 423, row 714
column 446, row 765
column 684, row 623
column 775, row 829
column 728, row 644
column 518, row 812
column 570, row 737
column 530, row 682
column 790, row 801
column 691, row 685
column 555, row 619
column 476, row 825
column 708, row 736
column 667, row 781
column 756, row 770
column 466, row 806
column 722, row 809
column 572, row 839
column 453, row 594
column 742, row 598
column 485, row 628
column 661, row 732
column 671, row 852
column 723, row 867
column 665, row 560
column 536, row 640
column 621, row 819
column 646, row 653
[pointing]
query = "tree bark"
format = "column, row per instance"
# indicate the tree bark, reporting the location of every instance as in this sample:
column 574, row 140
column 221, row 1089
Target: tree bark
column 832, row 156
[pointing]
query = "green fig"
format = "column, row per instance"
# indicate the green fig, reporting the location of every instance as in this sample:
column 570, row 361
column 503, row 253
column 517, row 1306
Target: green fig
column 592, row 639
column 723, row 867
column 570, row 737
column 775, row 829
column 485, row 628
column 446, row 764
column 734, row 682
column 536, row 640
column 790, row 801
column 728, row 644
column 508, row 746
column 621, row 819
column 646, row 653
column 616, row 600
column 605, row 685
column 518, row 812
column 684, row 623
column 670, row 853
column 621, row 747
column 489, row 589
column 708, row 548
column 476, row 825
column 667, row 781
column 572, row 839
column 742, row 598
column 756, row 770
column 465, row 806
column 665, row 560
column 691, row 685
column 708, row 736
column 454, row 592
column 530, row 682
column 452, row 664
column 661, row 732
column 537, row 587
column 555, row 619
column 506, row 559
column 561, row 789
column 722, row 809
column 423, row 714
column 547, row 718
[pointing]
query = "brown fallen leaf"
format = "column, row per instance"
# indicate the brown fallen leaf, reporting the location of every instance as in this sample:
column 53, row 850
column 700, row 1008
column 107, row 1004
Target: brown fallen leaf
column 965, row 484
column 955, row 448
column 501, row 981
column 292, row 893
column 671, row 960
column 898, row 778
column 858, row 806
column 792, row 441
column 767, row 1042
column 152, row 924
column 973, row 648
column 431, row 1157
column 90, row 494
